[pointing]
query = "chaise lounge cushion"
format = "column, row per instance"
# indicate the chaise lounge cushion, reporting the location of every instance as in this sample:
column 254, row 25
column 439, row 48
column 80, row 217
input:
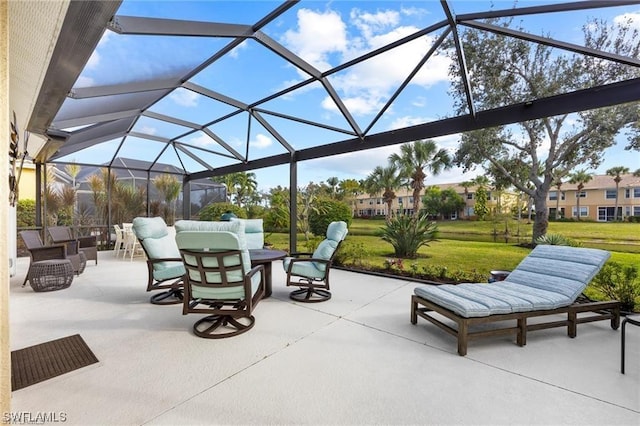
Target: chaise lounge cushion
column 550, row 277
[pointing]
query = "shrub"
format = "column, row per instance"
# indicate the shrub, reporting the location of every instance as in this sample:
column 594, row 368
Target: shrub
column 557, row 240
column 407, row 234
column 351, row 253
column 255, row 211
column 215, row 210
column 26, row 214
column 326, row 211
column 620, row 283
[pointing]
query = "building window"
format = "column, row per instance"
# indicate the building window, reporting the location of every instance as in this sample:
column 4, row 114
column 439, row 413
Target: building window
column 607, row 214
column 610, row 194
column 553, row 195
column 361, row 201
column 399, row 200
column 410, row 200
column 378, row 201
column 581, row 194
column 636, row 192
column 552, row 212
column 470, row 196
column 584, row 211
column 627, row 193
column 636, row 210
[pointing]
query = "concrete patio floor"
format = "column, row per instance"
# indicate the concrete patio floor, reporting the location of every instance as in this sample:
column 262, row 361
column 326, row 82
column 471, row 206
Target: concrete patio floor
column 355, row 359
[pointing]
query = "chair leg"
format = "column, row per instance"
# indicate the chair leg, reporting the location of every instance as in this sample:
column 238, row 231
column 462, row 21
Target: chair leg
column 624, row 325
column 622, row 341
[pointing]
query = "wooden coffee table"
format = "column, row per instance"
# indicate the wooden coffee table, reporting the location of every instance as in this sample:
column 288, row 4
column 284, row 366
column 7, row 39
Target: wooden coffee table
column 266, row 257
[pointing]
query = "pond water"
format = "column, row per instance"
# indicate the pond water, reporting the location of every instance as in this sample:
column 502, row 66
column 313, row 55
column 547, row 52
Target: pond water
column 499, row 238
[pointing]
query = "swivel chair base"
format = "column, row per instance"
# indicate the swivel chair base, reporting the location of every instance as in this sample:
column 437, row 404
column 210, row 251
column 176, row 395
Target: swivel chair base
column 222, row 326
column 170, row 297
column 310, row 295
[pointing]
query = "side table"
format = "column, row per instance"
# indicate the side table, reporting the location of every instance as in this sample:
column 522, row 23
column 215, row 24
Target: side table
column 50, row 275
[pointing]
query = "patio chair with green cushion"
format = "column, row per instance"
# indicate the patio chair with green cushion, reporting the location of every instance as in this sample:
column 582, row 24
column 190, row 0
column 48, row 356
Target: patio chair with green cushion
column 310, row 271
column 87, row 245
column 164, row 264
column 547, row 282
column 39, row 252
column 220, row 281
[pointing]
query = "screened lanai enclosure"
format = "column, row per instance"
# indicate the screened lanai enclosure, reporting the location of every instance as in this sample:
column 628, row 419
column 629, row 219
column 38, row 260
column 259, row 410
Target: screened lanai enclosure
column 204, row 89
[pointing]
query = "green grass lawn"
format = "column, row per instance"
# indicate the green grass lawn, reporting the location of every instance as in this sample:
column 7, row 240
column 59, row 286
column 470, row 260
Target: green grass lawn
column 621, row 239
column 617, row 232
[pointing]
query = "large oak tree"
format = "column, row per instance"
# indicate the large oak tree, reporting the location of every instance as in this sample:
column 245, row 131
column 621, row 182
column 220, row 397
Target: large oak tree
column 505, row 70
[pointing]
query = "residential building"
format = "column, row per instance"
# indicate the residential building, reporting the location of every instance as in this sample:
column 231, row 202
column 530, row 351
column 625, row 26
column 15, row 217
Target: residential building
column 597, row 199
column 367, row 205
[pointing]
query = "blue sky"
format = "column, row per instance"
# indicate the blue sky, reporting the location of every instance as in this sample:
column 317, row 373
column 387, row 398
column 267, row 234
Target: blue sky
column 325, row 34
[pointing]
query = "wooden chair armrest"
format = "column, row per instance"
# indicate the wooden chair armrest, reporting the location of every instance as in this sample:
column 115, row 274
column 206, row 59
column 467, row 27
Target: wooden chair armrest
column 300, row 253
column 89, row 241
column 58, row 251
column 309, row 259
column 164, row 259
column 255, row 270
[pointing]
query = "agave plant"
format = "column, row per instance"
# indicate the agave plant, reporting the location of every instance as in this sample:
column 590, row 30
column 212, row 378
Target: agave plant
column 557, row 240
column 407, row 234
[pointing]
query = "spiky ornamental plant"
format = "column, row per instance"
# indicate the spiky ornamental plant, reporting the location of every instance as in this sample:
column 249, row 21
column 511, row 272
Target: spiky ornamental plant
column 407, row 234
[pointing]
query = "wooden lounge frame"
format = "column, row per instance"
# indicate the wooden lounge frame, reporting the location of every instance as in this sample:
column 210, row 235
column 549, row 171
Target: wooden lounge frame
column 423, row 308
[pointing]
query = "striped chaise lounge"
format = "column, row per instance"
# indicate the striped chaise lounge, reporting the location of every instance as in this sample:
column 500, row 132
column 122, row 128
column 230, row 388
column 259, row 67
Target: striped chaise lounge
column 547, row 282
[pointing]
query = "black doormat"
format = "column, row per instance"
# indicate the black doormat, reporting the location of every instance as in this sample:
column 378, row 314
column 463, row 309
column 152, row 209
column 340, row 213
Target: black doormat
column 38, row 363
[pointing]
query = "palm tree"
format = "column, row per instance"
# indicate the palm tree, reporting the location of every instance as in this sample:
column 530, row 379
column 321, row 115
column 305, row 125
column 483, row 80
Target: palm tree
column 579, row 177
column 616, row 172
column 246, row 186
column 169, row 188
column 558, row 183
column 414, row 159
column 385, row 180
column 333, row 183
column 466, row 185
column 229, row 181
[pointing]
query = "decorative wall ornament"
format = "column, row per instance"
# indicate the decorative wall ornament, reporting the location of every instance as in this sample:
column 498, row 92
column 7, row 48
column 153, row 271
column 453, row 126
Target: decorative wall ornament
column 15, row 171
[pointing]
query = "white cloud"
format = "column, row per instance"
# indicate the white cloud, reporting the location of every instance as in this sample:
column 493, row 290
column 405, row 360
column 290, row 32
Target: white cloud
column 370, row 23
column 632, row 19
column 365, row 87
column 235, row 52
column 184, row 97
column 261, row 141
column 149, row 130
column 317, row 35
column 83, row 81
column 202, row 139
column 95, row 58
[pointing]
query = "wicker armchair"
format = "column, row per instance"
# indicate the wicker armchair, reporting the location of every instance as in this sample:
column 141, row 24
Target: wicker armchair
column 87, row 245
column 39, row 252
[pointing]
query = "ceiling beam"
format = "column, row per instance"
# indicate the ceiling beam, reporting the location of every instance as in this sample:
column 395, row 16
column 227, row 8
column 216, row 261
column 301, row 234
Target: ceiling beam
column 547, row 8
column 82, row 29
column 173, row 27
column 581, row 100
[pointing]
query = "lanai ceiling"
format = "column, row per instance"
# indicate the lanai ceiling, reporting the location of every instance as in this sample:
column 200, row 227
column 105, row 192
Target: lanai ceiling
column 212, row 95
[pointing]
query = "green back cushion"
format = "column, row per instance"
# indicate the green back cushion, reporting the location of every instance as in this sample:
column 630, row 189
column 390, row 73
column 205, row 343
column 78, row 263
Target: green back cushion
column 149, row 227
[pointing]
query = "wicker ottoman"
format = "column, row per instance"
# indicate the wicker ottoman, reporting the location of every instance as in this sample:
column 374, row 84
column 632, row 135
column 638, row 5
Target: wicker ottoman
column 50, row 275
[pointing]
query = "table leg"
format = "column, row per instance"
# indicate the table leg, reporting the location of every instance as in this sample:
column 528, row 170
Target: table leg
column 267, row 279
